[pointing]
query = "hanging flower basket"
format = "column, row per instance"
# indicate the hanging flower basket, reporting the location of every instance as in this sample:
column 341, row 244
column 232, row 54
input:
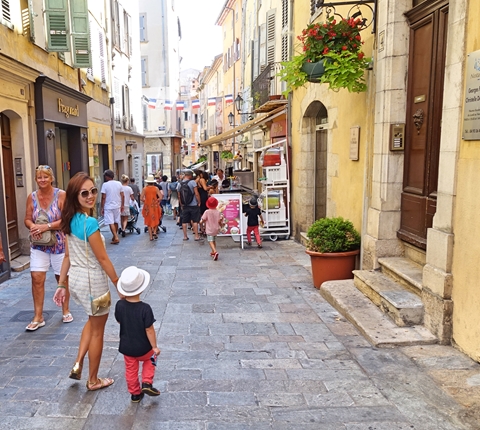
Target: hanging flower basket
column 314, row 70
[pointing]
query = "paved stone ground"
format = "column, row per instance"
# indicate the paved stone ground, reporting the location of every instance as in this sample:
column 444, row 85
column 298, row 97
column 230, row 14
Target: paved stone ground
column 247, row 343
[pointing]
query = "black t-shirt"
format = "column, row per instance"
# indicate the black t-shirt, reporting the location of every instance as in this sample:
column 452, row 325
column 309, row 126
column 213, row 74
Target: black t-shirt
column 134, row 318
column 252, row 215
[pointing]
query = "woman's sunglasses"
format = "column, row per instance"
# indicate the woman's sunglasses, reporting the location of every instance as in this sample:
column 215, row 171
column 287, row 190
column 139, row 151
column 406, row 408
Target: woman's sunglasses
column 43, row 167
column 85, row 193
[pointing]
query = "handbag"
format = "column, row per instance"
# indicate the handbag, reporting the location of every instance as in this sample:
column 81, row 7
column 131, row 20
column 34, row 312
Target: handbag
column 48, row 237
column 105, row 300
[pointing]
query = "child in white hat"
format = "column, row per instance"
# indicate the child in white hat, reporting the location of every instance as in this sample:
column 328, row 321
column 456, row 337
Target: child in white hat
column 138, row 341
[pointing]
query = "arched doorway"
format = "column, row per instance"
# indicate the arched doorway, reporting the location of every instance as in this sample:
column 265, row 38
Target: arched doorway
column 9, row 181
column 317, row 125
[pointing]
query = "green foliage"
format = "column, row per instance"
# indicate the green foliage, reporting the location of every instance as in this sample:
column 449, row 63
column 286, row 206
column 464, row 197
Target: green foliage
column 201, row 159
column 226, row 155
column 338, row 41
column 333, row 235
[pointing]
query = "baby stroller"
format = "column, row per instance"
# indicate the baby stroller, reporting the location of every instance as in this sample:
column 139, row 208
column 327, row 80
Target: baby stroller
column 160, row 226
column 132, row 220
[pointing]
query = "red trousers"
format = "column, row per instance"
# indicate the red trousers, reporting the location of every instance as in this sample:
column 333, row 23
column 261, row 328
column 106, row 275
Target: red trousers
column 255, row 232
column 132, row 365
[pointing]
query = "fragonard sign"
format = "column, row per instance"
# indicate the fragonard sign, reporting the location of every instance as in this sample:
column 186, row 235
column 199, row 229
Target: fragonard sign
column 68, row 110
column 471, row 110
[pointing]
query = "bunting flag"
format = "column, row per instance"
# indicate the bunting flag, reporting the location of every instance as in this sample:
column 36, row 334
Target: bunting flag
column 195, row 104
column 212, row 101
column 152, row 103
column 229, row 98
column 168, row 105
column 180, row 105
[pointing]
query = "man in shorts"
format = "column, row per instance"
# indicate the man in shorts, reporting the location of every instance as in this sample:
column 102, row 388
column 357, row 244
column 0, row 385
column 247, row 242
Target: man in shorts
column 190, row 211
column 112, row 203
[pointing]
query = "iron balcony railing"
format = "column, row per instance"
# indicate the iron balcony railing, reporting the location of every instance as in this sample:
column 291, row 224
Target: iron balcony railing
column 267, row 84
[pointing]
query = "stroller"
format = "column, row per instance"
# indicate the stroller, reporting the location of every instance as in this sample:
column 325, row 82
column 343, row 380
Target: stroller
column 160, row 226
column 132, row 220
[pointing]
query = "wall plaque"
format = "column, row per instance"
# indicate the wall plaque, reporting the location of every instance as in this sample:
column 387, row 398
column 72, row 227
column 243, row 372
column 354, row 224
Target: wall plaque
column 354, row 142
column 471, row 110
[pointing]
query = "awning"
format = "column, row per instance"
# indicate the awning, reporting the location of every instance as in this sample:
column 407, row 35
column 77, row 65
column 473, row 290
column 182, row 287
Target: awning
column 280, row 142
column 198, row 165
column 243, row 128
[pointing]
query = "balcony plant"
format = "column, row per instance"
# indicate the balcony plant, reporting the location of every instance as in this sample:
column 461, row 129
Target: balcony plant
column 333, row 245
column 226, row 155
column 334, row 49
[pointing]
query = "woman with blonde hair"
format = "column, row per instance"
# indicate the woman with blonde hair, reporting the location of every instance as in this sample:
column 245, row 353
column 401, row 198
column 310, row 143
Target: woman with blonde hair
column 47, row 203
column 89, row 268
column 128, row 198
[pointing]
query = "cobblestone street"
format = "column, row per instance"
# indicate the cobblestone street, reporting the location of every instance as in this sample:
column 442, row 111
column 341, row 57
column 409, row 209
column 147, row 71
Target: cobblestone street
column 247, row 343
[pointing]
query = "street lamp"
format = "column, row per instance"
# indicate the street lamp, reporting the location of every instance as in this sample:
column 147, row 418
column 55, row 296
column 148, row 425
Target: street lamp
column 231, row 119
column 239, row 106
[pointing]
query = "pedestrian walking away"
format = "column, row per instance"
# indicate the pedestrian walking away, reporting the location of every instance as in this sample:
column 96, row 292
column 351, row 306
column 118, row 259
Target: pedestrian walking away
column 212, row 221
column 151, row 197
column 253, row 213
column 189, row 199
column 45, row 204
column 87, row 262
column 138, row 342
column 128, row 200
column 136, row 190
column 112, row 203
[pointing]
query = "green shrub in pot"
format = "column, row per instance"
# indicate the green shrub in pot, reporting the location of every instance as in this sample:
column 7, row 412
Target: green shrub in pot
column 332, row 235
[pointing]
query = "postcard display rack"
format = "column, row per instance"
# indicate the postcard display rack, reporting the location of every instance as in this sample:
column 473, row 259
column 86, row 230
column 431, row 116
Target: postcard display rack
column 274, row 200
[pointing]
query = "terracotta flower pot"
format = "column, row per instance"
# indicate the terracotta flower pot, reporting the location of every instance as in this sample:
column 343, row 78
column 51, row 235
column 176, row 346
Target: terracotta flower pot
column 314, row 71
column 332, row 266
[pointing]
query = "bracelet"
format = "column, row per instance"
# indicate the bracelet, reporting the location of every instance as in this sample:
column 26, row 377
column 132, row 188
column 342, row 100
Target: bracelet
column 62, row 286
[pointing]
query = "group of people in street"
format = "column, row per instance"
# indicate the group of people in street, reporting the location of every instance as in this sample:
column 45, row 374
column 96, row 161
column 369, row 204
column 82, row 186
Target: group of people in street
column 76, row 252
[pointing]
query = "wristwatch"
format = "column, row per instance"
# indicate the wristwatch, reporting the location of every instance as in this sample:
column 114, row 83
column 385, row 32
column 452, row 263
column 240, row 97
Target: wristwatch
column 49, row 226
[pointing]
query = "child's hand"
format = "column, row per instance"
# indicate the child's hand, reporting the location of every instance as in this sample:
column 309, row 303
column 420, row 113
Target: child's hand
column 156, row 351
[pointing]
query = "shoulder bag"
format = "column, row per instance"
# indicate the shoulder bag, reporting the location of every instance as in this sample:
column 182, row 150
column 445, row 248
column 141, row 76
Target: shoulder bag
column 48, row 237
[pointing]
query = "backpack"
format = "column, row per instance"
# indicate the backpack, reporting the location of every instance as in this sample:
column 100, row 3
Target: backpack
column 186, row 193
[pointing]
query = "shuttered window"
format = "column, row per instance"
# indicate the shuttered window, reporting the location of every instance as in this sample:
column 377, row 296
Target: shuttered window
column 117, row 107
column 263, row 47
column 57, row 25
column 5, row 16
column 144, row 65
column 82, row 57
column 285, row 54
column 143, row 27
column 271, row 36
column 103, row 60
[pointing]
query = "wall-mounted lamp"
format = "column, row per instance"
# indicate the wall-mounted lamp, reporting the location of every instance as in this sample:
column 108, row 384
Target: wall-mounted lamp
column 84, row 137
column 239, row 105
column 50, row 134
column 231, row 119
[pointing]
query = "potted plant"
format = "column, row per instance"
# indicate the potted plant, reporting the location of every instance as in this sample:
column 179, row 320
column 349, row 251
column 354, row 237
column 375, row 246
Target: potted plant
column 201, row 159
column 333, row 245
column 226, row 155
column 330, row 53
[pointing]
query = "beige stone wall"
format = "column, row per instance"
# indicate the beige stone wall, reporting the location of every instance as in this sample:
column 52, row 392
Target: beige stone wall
column 157, row 145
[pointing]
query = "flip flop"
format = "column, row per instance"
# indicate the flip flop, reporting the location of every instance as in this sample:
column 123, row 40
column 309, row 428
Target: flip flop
column 36, row 325
column 199, row 239
column 67, row 318
column 115, row 242
column 186, row 238
column 102, row 382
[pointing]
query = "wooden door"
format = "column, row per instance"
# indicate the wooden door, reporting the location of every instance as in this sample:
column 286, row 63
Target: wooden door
column 9, row 181
column 428, row 37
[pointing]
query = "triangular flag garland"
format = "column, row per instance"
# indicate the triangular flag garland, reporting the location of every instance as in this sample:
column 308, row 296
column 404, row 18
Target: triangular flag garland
column 229, row 98
column 195, row 104
column 168, row 105
column 180, row 105
column 212, row 101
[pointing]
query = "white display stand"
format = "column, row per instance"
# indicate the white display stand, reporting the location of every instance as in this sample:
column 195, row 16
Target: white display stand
column 231, row 209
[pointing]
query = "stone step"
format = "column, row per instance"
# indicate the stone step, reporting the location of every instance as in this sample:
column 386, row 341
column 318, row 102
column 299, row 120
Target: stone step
column 405, row 271
column 404, row 307
column 21, row 263
column 377, row 327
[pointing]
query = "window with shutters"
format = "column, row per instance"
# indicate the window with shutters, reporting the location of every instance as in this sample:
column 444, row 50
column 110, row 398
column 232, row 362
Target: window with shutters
column 103, row 58
column 144, row 70
column 126, row 107
column 117, row 107
column 116, row 24
column 145, row 116
column 263, row 47
column 127, row 37
column 271, row 36
column 285, row 54
column 315, row 7
column 82, row 57
column 56, row 15
column 5, row 13
column 143, row 27
column 26, row 10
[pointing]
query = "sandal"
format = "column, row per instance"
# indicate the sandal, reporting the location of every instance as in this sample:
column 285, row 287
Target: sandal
column 99, row 384
column 36, row 325
column 67, row 318
column 76, row 372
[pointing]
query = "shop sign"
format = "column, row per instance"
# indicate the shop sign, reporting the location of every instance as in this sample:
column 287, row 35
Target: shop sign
column 67, row 110
column 471, row 110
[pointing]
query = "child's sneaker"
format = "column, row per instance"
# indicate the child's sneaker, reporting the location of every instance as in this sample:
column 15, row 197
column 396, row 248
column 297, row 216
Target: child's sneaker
column 215, row 256
column 249, row 243
column 212, row 254
column 149, row 390
column 260, row 245
column 137, row 397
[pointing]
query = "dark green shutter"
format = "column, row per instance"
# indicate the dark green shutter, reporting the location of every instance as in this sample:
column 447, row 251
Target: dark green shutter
column 82, row 56
column 57, row 25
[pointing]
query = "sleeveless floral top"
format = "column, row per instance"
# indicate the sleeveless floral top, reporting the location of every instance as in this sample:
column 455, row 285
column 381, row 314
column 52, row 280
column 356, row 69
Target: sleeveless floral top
column 54, row 214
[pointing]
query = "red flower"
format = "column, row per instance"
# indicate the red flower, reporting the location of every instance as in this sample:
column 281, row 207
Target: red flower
column 344, row 48
column 361, row 55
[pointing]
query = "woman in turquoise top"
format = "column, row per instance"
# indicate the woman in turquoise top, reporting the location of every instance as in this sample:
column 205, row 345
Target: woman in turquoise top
column 88, row 267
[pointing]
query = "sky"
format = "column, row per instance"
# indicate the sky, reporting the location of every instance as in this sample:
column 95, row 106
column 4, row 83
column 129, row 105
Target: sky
column 201, row 38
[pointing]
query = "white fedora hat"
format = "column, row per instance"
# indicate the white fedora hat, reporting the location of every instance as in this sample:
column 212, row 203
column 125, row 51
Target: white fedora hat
column 133, row 281
column 150, row 179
